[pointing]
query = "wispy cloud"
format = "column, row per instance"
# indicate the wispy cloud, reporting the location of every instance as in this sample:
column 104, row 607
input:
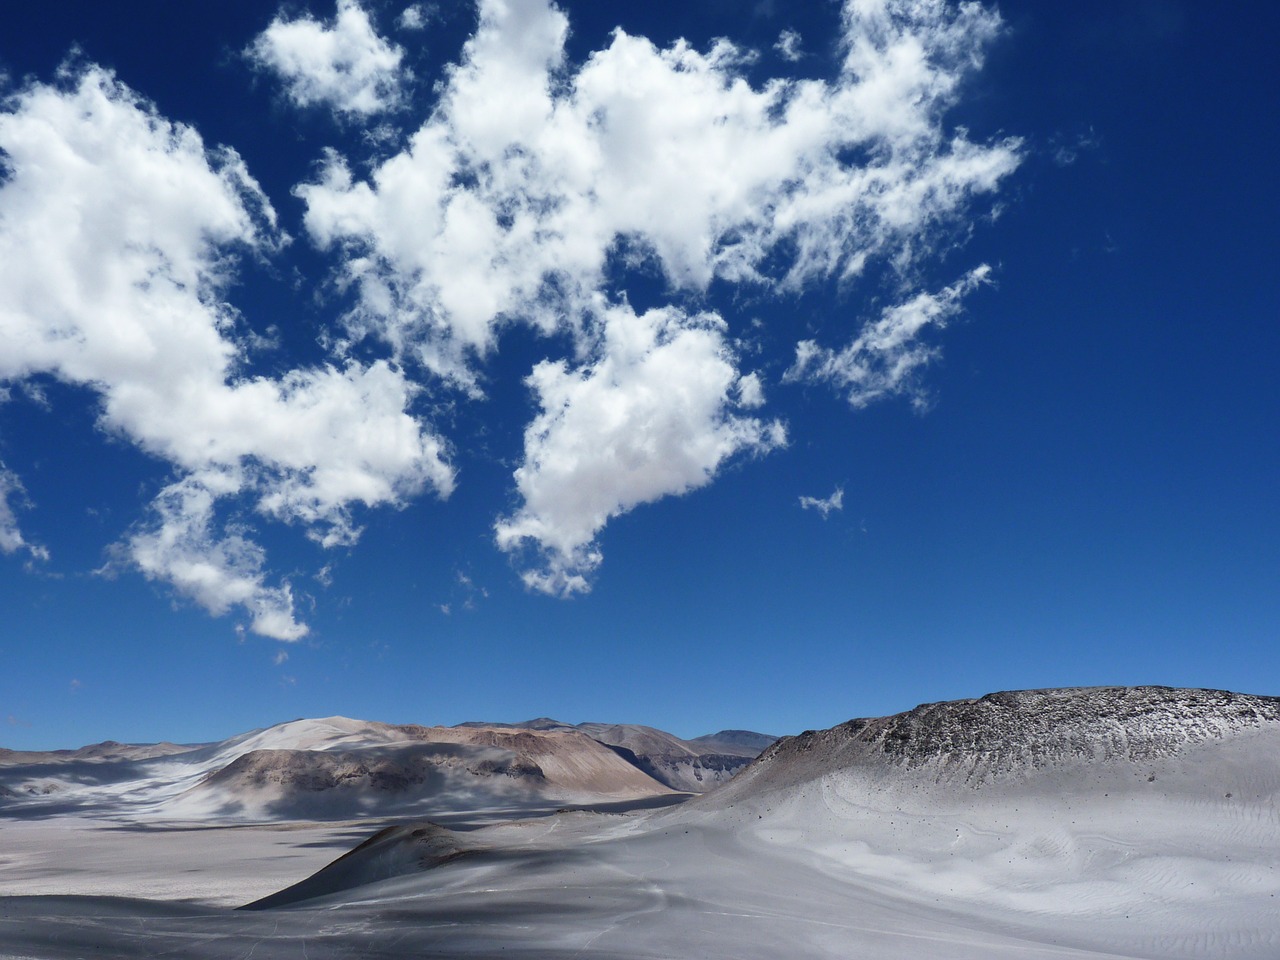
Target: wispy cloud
column 887, row 355
column 11, row 538
column 343, row 63
column 824, row 506
column 788, row 46
column 466, row 595
column 1066, row 149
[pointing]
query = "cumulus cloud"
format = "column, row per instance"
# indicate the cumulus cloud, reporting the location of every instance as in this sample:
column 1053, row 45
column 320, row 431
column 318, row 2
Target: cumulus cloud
column 511, row 199
column 533, row 193
column 651, row 417
column 824, row 505
column 887, row 355
column 119, row 232
column 533, row 177
column 343, row 63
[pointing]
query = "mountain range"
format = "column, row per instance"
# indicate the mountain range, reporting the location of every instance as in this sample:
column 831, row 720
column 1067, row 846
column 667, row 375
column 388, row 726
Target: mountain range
column 340, row 768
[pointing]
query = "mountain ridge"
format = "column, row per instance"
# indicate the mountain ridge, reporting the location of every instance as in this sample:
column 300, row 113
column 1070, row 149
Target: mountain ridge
column 1040, row 724
column 690, row 766
column 337, row 767
column 1059, row 738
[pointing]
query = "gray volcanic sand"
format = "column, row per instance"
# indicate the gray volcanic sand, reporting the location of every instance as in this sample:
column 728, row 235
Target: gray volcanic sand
column 572, row 885
column 222, row 866
column 1074, row 824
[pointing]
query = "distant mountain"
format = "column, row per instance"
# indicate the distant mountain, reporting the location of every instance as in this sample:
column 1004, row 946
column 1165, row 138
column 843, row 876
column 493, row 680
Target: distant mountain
column 743, row 743
column 690, row 766
column 106, row 750
column 338, row 767
column 331, row 768
column 541, row 723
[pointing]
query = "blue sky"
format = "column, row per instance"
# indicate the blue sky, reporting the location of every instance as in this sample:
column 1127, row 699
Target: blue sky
column 434, row 363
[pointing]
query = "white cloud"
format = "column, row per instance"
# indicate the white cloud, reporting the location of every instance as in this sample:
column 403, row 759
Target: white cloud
column 824, row 506
column 416, row 16
column 533, row 185
column 788, row 46
column 217, row 569
column 119, row 232
column 750, row 391
column 510, row 200
column 343, row 64
column 887, row 355
column 532, row 175
column 11, row 538
column 651, row 417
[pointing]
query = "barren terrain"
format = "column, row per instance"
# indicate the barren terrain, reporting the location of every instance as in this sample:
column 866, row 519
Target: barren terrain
column 1108, row 822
